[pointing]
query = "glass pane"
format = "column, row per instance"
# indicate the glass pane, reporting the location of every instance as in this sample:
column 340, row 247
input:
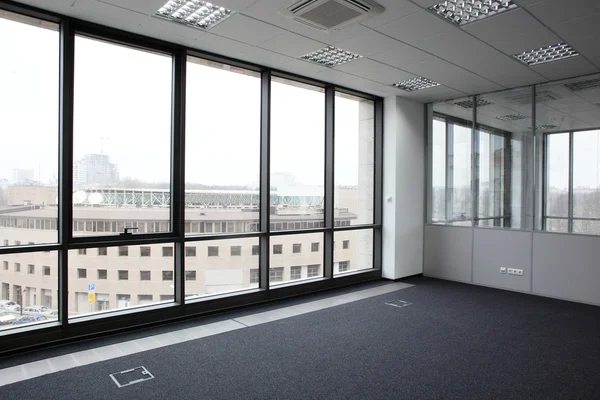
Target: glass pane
column 354, row 159
column 29, row 128
column 122, row 99
column 120, row 277
column 505, row 159
column 451, row 137
column 586, row 177
column 287, row 265
column 221, row 266
column 353, row 251
column 587, row 227
column 438, row 171
column 222, row 153
column 557, row 225
column 557, row 175
column 459, row 167
column 29, row 289
column 297, row 152
column 493, row 179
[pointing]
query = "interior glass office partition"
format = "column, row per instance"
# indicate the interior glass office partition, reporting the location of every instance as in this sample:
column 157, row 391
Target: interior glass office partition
column 569, row 118
column 504, row 140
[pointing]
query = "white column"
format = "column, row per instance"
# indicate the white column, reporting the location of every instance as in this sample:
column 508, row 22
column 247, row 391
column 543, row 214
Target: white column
column 403, row 187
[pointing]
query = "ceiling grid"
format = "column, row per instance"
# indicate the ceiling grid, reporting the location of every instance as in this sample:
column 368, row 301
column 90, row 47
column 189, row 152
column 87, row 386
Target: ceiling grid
column 465, row 46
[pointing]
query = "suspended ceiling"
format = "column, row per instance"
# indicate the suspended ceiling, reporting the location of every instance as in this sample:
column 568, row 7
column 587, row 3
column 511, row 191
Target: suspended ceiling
column 405, row 41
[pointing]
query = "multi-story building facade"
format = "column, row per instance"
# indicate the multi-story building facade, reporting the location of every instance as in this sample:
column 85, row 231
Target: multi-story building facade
column 125, row 276
column 95, row 170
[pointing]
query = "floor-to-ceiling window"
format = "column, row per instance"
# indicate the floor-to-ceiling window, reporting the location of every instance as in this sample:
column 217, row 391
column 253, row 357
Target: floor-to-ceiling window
column 29, row 170
column 140, row 179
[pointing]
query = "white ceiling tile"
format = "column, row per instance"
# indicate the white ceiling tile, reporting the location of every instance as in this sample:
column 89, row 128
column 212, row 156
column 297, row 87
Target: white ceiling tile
column 552, row 12
column 370, row 43
column 426, row 3
column 374, row 87
column 246, row 29
column 389, row 75
column 525, row 41
column 432, row 94
column 305, row 68
column 292, row 45
column 394, row 9
column 337, row 77
column 584, row 27
column 363, row 67
column 265, row 57
column 507, row 26
column 222, row 45
column 479, row 58
column 588, row 47
column 452, row 76
column 568, row 68
column 147, row 7
column 59, row 6
column 523, row 3
column 235, row 5
column 417, row 27
column 401, row 55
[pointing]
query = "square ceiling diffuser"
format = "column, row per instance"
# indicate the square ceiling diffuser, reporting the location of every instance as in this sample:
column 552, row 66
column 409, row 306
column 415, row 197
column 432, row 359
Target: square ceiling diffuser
column 195, row 13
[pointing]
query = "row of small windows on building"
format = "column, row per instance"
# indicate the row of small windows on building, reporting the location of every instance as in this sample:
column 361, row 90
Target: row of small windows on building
column 30, row 268
column 123, row 275
column 213, row 251
column 276, row 274
column 161, row 226
column 28, row 223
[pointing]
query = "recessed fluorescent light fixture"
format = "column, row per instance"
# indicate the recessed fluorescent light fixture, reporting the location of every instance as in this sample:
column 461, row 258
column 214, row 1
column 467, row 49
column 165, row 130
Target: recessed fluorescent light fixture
column 461, row 12
column 419, row 83
column 512, row 117
column 546, row 54
column 195, row 13
column 583, row 85
column 330, row 56
column 470, row 104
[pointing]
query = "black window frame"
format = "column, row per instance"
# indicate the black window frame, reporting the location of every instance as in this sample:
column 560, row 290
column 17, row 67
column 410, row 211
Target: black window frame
column 66, row 242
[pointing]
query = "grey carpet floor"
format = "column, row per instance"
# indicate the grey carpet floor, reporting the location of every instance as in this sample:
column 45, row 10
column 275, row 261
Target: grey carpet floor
column 454, row 341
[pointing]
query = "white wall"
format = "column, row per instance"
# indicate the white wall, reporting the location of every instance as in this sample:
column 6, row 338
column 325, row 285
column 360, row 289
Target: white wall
column 403, row 182
column 554, row 264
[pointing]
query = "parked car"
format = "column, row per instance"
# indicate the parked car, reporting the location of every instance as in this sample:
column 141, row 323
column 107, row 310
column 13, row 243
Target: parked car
column 36, row 309
column 7, row 303
column 28, row 319
column 13, row 308
column 6, row 318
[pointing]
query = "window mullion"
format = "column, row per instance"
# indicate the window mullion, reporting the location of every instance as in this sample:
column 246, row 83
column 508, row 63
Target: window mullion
column 571, row 148
column 65, row 193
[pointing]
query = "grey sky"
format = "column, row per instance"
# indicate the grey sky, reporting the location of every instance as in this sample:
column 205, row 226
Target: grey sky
column 124, row 96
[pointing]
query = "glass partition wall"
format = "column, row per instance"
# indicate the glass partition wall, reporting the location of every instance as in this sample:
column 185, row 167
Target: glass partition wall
column 142, row 182
column 533, row 162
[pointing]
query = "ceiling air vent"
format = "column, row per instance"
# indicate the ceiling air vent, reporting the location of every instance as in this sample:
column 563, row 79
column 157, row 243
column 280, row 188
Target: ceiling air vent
column 326, row 15
column 540, row 97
